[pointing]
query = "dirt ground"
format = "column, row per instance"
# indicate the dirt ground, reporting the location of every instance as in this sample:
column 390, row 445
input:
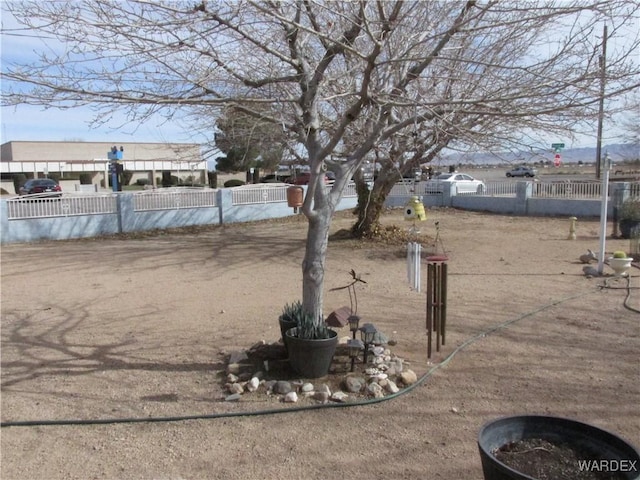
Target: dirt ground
column 139, row 328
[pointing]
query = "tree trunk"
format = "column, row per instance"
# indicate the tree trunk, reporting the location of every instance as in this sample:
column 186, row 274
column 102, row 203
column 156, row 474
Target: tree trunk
column 313, row 263
column 370, row 206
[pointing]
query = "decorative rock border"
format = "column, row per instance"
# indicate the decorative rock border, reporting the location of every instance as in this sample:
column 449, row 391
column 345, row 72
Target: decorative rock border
column 263, row 370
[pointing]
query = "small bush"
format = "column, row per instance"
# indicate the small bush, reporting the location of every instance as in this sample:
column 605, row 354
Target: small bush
column 630, row 210
column 142, row 182
column 234, row 182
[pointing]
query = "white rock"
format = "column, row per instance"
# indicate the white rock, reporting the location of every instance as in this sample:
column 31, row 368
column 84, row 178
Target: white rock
column 391, row 387
column 454, row 410
column 377, row 351
column 253, row 384
column 235, row 388
column 291, row 397
column 375, row 390
column 307, row 387
column 408, row 377
column 231, row 378
column 371, row 371
column 339, row 397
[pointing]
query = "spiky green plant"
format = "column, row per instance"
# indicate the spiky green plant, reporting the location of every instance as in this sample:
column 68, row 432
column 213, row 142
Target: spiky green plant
column 309, row 328
column 292, row 312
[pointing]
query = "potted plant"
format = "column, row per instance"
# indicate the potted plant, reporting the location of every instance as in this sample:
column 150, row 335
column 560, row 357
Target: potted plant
column 629, row 218
column 527, row 447
column 289, row 318
column 620, row 262
column 311, row 346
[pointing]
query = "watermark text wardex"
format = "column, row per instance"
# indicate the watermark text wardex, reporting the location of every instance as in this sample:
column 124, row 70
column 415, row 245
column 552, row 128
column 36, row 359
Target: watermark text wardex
column 607, row 465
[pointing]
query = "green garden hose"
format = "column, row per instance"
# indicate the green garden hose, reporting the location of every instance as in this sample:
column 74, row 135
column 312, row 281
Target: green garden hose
column 419, row 382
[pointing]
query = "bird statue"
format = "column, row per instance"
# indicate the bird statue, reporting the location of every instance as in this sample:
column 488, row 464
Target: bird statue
column 588, row 257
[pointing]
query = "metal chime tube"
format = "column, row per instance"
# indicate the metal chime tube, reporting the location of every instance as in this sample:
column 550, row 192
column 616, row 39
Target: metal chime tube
column 443, row 300
column 429, row 306
column 414, row 250
column 416, row 267
column 436, row 304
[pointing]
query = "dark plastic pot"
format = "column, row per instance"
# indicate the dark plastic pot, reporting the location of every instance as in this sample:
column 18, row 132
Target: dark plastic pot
column 497, row 433
column 284, row 326
column 311, row 358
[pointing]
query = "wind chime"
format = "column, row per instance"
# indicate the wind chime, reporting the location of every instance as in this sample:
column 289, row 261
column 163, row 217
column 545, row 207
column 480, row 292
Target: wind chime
column 436, row 275
column 413, row 212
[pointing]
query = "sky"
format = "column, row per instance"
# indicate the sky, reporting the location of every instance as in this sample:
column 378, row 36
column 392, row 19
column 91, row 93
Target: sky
column 33, row 123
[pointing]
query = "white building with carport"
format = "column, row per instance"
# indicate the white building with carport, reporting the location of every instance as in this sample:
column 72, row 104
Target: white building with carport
column 144, row 160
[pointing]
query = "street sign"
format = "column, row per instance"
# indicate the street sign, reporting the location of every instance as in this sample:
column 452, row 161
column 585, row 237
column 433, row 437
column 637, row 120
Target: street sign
column 557, row 145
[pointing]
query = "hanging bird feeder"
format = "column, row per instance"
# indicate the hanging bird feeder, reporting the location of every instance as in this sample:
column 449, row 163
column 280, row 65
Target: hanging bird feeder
column 414, row 210
column 295, row 197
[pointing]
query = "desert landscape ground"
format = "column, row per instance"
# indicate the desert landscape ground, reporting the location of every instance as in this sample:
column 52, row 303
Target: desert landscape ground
column 140, row 327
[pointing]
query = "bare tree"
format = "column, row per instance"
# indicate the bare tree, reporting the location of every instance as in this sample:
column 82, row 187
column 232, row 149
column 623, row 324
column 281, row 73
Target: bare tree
column 346, row 79
column 248, row 138
column 631, row 122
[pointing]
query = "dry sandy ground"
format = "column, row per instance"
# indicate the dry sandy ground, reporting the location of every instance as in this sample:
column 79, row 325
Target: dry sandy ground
column 139, row 328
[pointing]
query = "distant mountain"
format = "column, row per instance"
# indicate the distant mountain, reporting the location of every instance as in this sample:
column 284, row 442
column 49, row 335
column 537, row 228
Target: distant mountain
column 617, row 153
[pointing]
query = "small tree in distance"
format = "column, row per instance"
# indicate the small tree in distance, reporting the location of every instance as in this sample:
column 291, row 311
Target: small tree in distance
column 249, row 141
column 392, row 82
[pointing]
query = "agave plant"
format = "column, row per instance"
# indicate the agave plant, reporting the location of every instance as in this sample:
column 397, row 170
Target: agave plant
column 292, row 312
column 310, row 329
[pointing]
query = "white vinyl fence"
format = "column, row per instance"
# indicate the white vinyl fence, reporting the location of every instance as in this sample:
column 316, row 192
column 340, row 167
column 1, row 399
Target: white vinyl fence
column 34, row 206
column 75, row 215
column 567, row 189
column 174, row 198
column 262, row 193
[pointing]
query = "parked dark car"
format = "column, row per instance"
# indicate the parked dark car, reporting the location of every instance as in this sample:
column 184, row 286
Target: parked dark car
column 41, row 186
column 274, row 178
column 522, row 172
column 303, row 179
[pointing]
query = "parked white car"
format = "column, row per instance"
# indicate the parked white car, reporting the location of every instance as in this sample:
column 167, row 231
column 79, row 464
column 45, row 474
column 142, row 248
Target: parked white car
column 463, row 183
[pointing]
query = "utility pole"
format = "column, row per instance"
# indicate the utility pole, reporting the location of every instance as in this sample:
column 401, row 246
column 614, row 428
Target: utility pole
column 603, row 72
